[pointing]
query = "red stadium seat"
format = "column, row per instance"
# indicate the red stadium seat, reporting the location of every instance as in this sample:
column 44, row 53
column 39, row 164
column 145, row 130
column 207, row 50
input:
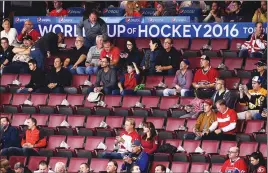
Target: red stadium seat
column 75, row 163
column 138, row 120
column 196, row 45
column 121, row 43
column 114, row 121
column 14, row 159
column 111, row 101
column 181, row 43
column 42, row 119
column 168, row 80
column 232, row 83
column 19, row 119
column 164, row 107
column 5, row 80
column 186, row 100
column 36, row 99
column 74, row 142
column 17, row 100
column 250, row 63
column 127, row 103
column 33, row 162
column 91, row 144
column 142, row 43
column 24, row 79
column 174, row 142
column 216, row 167
column 109, row 142
column 180, row 166
column 190, row 124
column 217, row 44
column 75, row 121
column 73, row 100
column 225, row 146
column 92, row 122
column 172, row 125
column 53, row 101
column 199, row 167
column 5, row 99
column 148, row 102
column 233, row 63
column 210, row 146
column 157, row 121
column 215, row 61
column 233, row 51
column 98, row 165
column 54, row 160
column 52, row 144
column 55, row 120
column 194, row 62
column 77, row 82
column 263, row 149
column 190, row 145
column 246, row 148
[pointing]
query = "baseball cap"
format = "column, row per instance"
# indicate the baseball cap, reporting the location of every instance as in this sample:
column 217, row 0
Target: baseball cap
column 186, row 61
column 258, row 79
column 261, row 63
column 27, row 37
column 137, row 143
column 18, row 165
column 208, row 101
column 205, row 57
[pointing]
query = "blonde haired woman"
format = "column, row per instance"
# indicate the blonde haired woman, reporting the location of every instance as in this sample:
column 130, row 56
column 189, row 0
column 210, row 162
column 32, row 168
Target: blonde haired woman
column 60, row 168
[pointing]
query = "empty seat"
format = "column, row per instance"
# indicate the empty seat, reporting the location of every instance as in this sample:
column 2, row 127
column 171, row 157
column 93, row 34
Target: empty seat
column 232, row 83
column 113, row 122
column 98, row 165
column 41, row 119
column 73, row 100
column 246, row 148
column 19, row 119
column 190, row 145
column 174, row 142
column 75, row 163
column 109, row 142
column 196, row 45
column 216, row 167
column 74, row 142
column 5, row 98
column 24, row 79
column 217, row 44
column 263, row 149
column 233, row 51
column 92, row 122
column 157, row 121
column 55, row 120
column 33, row 162
column 52, row 144
column 17, row 100
column 5, row 80
column 210, row 146
column 91, row 144
column 199, row 167
column 111, row 101
column 180, row 166
column 225, row 146
column 77, row 81
column 148, row 102
column 233, row 63
column 164, row 107
column 54, row 100
column 37, row 100
column 181, row 43
column 172, row 125
column 215, row 61
column 250, row 63
column 127, row 103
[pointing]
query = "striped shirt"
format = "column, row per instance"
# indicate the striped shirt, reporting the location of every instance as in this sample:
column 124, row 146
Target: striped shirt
column 225, row 119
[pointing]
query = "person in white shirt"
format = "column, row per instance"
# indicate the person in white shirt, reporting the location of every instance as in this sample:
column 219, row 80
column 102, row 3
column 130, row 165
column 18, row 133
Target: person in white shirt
column 10, row 33
column 60, row 167
column 43, row 168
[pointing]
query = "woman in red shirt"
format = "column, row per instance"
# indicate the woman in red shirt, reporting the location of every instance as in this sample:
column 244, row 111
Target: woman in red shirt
column 149, row 139
column 132, row 10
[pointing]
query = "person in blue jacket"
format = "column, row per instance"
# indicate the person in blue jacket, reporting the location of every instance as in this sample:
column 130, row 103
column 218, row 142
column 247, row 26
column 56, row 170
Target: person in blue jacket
column 9, row 136
column 136, row 157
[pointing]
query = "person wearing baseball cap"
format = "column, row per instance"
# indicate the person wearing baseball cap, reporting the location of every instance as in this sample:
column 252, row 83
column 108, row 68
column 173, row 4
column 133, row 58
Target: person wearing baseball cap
column 261, row 70
column 182, row 80
column 205, row 78
column 136, row 157
column 255, row 98
column 20, row 168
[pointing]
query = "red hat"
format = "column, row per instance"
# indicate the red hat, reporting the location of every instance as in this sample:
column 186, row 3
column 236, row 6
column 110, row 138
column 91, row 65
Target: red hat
column 208, row 101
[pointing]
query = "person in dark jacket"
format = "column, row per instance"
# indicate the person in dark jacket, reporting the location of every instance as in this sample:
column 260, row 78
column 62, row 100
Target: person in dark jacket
column 168, row 60
column 6, row 53
column 261, row 70
column 9, row 135
column 57, row 78
column 257, row 163
column 37, row 79
column 20, row 168
column 132, row 52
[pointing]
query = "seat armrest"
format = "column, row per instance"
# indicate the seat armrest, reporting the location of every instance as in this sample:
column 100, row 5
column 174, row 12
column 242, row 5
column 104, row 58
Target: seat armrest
column 117, row 107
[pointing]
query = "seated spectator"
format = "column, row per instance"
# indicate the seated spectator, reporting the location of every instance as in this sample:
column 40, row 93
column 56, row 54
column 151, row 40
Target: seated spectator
column 223, row 94
column 20, row 168
column 137, row 157
column 5, row 166
column 149, row 60
column 255, row 98
column 112, row 52
column 131, row 53
column 132, row 10
column 261, row 70
column 204, row 121
column 43, row 167
column 93, row 58
column 106, row 76
column 193, row 109
column 20, row 61
column 182, row 80
column 214, row 14
column 167, row 61
column 162, row 169
column 112, row 167
column 193, row 4
column 260, row 14
column 37, row 80
column 57, row 78
column 124, row 141
column 205, row 78
column 77, row 56
column 8, row 32
column 9, row 136
column 84, row 168
column 129, row 81
column 60, row 168
column 234, row 163
column 28, row 30
column 6, row 53
column 58, row 11
column 257, row 163
column 167, row 8
column 256, row 43
column 135, row 169
column 149, row 139
column 33, row 139
column 236, row 15
column 225, row 126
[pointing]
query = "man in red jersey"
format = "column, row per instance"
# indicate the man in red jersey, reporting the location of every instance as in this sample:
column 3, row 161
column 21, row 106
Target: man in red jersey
column 110, row 51
column 28, row 30
column 124, row 141
column 234, row 164
column 58, row 11
column 224, row 127
column 205, row 78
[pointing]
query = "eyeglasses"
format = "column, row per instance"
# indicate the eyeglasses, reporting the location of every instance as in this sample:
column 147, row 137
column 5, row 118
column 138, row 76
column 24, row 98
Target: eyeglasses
column 229, row 152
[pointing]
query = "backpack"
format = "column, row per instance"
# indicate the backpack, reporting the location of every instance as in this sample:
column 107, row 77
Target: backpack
column 167, row 148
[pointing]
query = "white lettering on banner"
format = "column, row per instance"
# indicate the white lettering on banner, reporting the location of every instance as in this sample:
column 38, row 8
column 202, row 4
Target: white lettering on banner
column 226, row 29
column 59, row 26
column 197, row 30
column 214, row 30
column 143, row 30
column 43, row 29
column 245, row 29
column 68, row 31
column 185, row 30
column 250, row 30
column 157, row 31
column 129, row 30
column 121, row 30
column 175, row 31
column 114, row 29
column 234, row 32
column 207, row 34
column 162, row 31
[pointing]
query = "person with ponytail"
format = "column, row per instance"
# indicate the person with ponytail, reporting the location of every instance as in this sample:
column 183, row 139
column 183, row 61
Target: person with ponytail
column 257, row 163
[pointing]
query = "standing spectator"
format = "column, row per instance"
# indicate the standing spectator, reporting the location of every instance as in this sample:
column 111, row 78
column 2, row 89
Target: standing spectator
column 149, row 139
column 58, row 11
column 225, row 126
column 9, row 135
column 28, row 30
column 20, row 61
column 167, row 61
column 6, row 53
column 112, row 167
column 260, row 14
column 205, row 78
column 106, row 76
column 37, row 79
column 20, row 168
column 77, row 56
column 43, row 167
column 124, row 141
column 93, row 26
column 132, row 53
column 10, row 33
column 214, row 14
column 261, row 71
column 236, row 15
column 149, row 60
column 60, row 168
column 223, row 94
column 137, row 157
column 57, row 78
column 132, row 10
column 255, row 98
column 234, row 163
column 182, row 80
column 93, row 58
column 112, row 52
column 257, row 163
column 33, row 139
column 129, row 81
column 256, row 43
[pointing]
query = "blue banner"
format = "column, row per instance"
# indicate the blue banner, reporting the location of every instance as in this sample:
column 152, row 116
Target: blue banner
column 176, row 27
column 189, row 11
column 75, row 11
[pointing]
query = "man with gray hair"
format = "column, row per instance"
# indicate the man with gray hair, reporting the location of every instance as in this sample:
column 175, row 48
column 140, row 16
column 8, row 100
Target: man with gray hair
column 20, row 168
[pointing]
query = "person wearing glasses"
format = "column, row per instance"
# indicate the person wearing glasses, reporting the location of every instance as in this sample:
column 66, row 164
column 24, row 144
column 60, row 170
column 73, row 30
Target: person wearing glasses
column 168, row 60
column 234, row 163
column 8, row 32
column 28, row 30
column 261, row 70
column 6, row 53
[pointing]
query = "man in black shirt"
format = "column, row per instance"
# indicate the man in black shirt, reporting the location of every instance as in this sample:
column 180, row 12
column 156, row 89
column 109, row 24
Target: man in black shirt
column 57, row 78
column 37, row 79
column 261, row 70
column 168, row 60
column 6, row 53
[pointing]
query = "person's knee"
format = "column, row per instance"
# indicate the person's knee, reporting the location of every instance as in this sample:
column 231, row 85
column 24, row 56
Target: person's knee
column 166, row 92
column 80, row 70
column 183, row 92
column 248, row 115
column 89, row 70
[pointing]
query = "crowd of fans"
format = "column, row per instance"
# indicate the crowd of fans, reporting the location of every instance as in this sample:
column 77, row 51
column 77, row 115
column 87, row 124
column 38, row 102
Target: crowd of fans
column 119, row 72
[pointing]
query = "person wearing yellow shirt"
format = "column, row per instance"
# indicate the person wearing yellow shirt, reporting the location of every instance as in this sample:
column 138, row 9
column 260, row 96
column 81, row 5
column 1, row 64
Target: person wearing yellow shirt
column 260, row 14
